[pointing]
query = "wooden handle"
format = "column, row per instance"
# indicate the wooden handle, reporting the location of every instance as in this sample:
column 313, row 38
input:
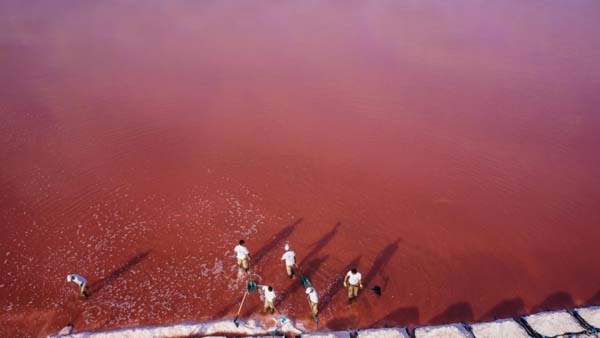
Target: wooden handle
column 243, row 299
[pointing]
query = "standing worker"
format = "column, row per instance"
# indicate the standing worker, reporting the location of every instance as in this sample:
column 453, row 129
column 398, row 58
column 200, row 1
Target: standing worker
column 290, row 261
column 80, row 281
column 269, row 295
column 353, row 281
column 243, row 255
column 313, row 300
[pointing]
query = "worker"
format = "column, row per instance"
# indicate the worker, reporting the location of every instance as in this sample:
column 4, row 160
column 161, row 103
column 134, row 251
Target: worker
column 80, row 281
column 290, row 261
column 243, row 255
column 313, row 300
column 269, row 295
column 353, row 281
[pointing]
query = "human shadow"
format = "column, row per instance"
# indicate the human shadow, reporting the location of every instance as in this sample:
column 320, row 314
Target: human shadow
column 381, row 260
column 402, row 316
column 309, row 265
column 556, row 301
column 343, row 323
column 314, row 265
column 455, row 313
column 276, row 241
column 320, row 244
column 507, row 308
column 118, row 272
column 595, row 300
column 225, row 310
column 337, row 284
column 258, row 256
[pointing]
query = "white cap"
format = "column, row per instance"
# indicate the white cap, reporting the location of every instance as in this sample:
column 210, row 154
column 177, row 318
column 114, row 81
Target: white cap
column 309, row 289
column 69, row 277
column 287, row 246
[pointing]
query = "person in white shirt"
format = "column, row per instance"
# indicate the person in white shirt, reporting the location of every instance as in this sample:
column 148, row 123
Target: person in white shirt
column 313, row 300
column 269, row 295
column 290, row 261
column 243, row 256
column 80, row 281
column 353, row 281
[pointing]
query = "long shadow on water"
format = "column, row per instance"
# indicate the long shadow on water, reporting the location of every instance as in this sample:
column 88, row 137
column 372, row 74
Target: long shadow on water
column 595, row 300
column 313, row 266
column 455, row 313
column 337, row 284
column 505, row 309
column 320, row 244
column 257, row 257
column 556, row 301
column 402, row 316
column 276, row 241
column 382, row 259
column 343, row 323
column 118, row 272
column 309, row 265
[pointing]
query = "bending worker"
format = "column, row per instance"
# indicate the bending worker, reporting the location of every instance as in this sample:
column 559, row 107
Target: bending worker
column 80, row 281
column 353, row 281
column 243, row 256
column 290, row 261
column 313, row 300
column 269, row 295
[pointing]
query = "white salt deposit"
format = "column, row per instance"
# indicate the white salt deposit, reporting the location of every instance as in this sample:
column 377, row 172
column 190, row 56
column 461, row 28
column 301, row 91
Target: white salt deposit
column 591, row 315
column 554, row 323
column 505, row 328
column 383, row 333
column 446, row 331
column 335, row 334
column 199, row 329
column 550, row 324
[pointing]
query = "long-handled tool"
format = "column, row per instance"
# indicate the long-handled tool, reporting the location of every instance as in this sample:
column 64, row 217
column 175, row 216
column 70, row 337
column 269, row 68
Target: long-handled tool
column 283, row 320
column 315, row 317
column 237, row 316
column 304, row 280
column 250, row 287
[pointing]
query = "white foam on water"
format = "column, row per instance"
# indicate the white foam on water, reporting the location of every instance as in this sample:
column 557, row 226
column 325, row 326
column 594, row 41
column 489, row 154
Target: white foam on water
column 591, row 315
column 554, row 323
column 504, row 328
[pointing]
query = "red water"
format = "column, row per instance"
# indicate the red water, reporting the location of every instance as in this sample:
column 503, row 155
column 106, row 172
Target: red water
column 446, row 149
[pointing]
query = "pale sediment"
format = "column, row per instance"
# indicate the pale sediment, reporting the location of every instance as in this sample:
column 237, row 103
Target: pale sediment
column 577, row 323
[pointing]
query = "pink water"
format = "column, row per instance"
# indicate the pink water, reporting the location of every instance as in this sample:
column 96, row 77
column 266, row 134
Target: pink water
column 446, row 149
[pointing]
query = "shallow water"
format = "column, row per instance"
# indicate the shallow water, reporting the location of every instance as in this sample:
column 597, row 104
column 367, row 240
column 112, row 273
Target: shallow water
column 448, row 150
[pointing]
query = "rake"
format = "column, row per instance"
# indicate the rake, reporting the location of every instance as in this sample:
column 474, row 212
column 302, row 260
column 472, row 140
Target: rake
column 250, row 287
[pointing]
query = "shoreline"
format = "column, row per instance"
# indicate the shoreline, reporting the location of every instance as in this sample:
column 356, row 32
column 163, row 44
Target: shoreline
column 579, row 322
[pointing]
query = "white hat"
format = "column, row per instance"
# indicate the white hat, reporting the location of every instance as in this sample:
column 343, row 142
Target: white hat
column 69, row 277
column 287, row 246
column 309, row 289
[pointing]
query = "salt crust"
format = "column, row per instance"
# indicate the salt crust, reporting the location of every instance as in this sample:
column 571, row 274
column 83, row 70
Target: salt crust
column 554, row 323
column 446, row 331
column 504, row 328
column 551, row 324
column 581, row 335
column 591, row 315
column 251, row 327
column 383, row 333
column 336, row 334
